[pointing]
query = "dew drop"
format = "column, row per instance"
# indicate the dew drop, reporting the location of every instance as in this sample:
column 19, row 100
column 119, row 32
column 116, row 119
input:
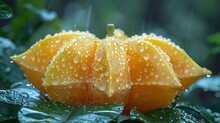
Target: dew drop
column 139, row 78
column 55, row 83
column 23, row 57
column 141, row 48
column 84, row 67
column 208, row 76
column 75, row 59
column 146, row 57
column 25, row 95
column 106, row 73
column 70, row 66
column 102, row 87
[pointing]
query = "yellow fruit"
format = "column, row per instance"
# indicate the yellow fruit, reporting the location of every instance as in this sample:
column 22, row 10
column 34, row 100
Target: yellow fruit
column 185, row 68
column 66, row 78
column 154, row 81
column 110, row 82
column 34, row 61
column 145, row 71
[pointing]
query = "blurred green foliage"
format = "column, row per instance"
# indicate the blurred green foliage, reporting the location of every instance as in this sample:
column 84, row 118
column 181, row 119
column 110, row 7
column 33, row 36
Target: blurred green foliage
column 5, row 11
column 188, row 23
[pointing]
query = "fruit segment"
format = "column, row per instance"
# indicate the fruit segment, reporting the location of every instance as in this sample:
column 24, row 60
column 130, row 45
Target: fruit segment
column 185, row 68
column 110, row 82
column 34, row 61
column 154, row 81
column 66, row 78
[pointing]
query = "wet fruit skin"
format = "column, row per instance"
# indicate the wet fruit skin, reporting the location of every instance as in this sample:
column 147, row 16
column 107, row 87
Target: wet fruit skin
column 70, row 70
column 145, row 72
column 185, row 68
column 152, row 77
column 110, row 82
column 34, row 62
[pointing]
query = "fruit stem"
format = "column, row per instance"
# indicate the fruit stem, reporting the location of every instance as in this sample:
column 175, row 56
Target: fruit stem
column 110, row 29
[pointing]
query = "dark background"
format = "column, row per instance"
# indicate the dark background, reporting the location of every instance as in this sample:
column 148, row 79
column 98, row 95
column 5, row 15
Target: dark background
column 188, row 23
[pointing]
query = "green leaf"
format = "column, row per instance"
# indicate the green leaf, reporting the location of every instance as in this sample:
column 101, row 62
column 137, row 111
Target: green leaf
column 135, row 115
column 200, row 113
column 20, row 96
column 96, row 114
column 36, row 108
column 45, row 112
column 9, row 72
column 43, row 14
column 58, row 112
column 214, row 38
column 168, row 115
column 8, row 117
column 5, row 11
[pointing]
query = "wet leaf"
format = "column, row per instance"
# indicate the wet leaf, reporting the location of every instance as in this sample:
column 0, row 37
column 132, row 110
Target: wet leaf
column 135, row 115
column 167, row 115
column 5, row 11
column 20, row 96
column 101, row 113
column 35, row 108
column 201, row 113
column 45, row 112
column 9, row 72
column 58, row 112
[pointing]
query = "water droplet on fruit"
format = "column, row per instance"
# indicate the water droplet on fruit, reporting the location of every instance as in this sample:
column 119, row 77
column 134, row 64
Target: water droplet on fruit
column 84, row 66
column 141, row 48
column 102, row 87
column 146, row 57
column 75, row 59
column 106, row 73
column 55, row 83
column 139, row 78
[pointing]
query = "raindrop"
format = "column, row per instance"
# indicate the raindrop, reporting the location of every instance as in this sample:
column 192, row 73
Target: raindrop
column 139, row 78
column 84, row 67
column 102, row 87
column 208, row 76
column 63, row 59
column 55, row 83
column 146, row 57
column 70, row 66
column 48, row 36
column 28, row 84
column 23, row 57
column 106, row 73
column 141, row 48
column 75, row 59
